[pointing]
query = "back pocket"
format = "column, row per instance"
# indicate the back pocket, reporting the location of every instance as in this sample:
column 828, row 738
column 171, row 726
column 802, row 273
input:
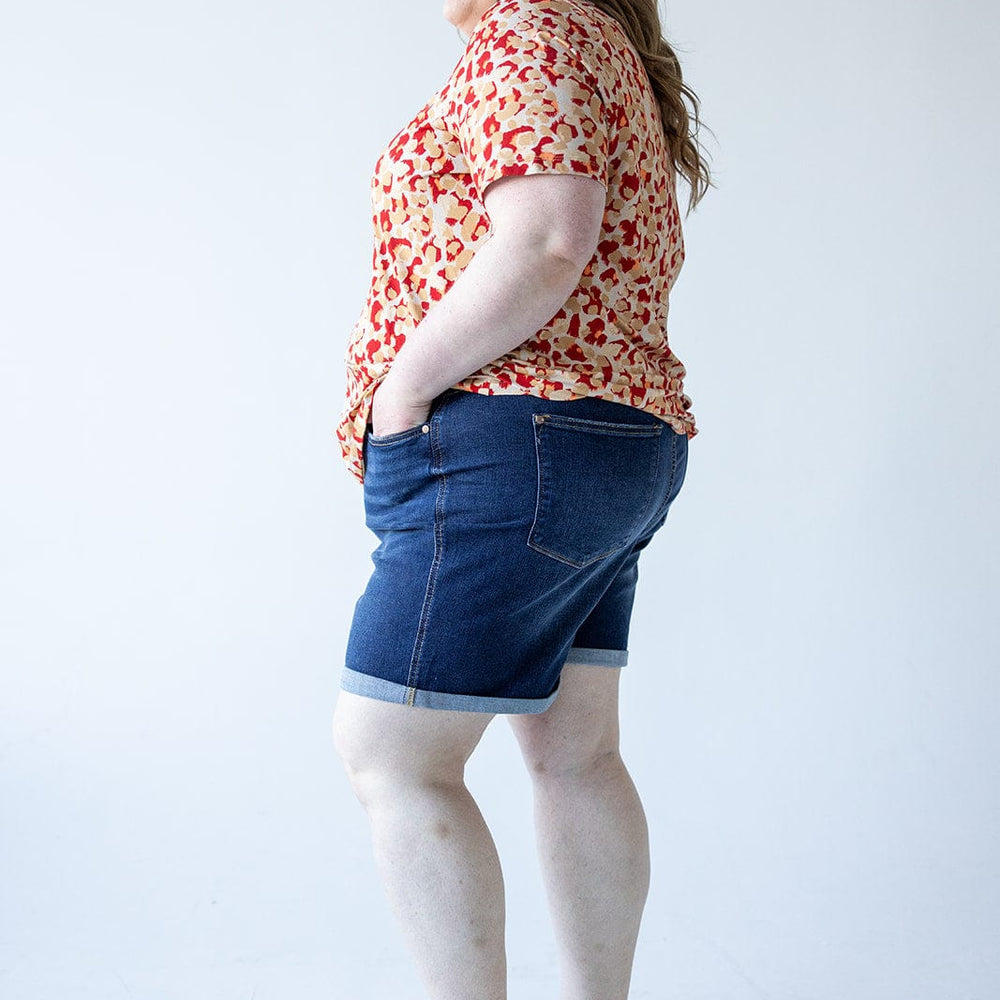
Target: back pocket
column 596, row 481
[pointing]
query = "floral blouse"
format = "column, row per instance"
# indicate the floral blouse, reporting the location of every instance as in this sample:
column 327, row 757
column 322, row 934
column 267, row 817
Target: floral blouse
column 543, row 86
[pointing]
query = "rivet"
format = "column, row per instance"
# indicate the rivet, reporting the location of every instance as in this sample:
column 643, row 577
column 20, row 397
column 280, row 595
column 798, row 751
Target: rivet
column 425, row 428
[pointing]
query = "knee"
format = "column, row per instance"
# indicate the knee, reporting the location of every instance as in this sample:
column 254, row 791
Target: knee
column 368, row 776
column 357, row 752
column 549, row 760
column 381, row 764
column 349, row 751
column 581, row 768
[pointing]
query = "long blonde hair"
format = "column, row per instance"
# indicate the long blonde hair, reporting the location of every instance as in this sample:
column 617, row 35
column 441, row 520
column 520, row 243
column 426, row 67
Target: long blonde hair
column 641, row 21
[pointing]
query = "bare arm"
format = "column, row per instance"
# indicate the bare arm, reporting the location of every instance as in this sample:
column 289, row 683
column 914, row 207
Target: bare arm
column 545, row 230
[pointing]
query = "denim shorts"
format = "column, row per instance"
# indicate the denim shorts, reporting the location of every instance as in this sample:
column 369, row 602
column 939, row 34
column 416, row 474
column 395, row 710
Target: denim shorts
column 509, row 528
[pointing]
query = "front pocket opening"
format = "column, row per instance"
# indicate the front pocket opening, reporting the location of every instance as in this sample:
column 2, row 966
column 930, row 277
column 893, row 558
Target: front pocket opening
column 402, row 435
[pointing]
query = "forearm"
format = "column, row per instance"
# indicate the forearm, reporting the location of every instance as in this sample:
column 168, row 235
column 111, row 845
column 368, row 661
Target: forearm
column 506, row 293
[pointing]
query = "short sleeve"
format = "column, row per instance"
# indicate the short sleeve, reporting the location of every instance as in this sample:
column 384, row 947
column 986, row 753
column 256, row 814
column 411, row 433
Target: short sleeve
column 531, row 106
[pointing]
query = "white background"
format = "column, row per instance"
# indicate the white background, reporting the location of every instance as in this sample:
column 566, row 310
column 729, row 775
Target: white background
column 811, row 705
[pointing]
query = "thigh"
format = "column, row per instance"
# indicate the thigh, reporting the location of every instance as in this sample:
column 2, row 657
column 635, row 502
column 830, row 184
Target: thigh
column 404, row 741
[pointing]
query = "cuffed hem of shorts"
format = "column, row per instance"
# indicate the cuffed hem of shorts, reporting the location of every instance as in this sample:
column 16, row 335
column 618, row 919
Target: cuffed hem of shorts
column 597, row 657
column 377, row 687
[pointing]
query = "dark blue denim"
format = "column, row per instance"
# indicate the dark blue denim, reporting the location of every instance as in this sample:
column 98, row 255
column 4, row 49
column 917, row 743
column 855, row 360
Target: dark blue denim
column 509, row 528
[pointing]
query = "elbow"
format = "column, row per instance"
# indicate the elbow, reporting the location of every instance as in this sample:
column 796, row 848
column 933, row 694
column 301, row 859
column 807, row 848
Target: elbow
column 572, row 250
column 554, row 273
column 563, row 263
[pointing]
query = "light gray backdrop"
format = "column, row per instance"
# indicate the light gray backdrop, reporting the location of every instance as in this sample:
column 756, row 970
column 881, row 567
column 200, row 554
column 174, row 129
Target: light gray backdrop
column 810, row 710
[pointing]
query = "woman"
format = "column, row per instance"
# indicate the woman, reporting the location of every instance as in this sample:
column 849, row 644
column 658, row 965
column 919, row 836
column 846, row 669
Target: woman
column 519, row 424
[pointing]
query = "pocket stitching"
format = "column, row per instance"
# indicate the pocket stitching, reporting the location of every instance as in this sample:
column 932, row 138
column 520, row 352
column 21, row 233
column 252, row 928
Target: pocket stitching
column 542, row 485
column 620, row 428
column 669, row 495
column 396, row 436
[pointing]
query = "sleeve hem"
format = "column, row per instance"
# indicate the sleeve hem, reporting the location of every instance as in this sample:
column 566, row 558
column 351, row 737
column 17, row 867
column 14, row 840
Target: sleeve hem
column 523, row 168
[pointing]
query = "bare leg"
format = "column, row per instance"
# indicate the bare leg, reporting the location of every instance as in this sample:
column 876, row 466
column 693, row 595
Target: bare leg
column 432, row 847
column 593, row 841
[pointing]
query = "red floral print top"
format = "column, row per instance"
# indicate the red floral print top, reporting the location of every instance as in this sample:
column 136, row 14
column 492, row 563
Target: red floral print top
column 543, row 86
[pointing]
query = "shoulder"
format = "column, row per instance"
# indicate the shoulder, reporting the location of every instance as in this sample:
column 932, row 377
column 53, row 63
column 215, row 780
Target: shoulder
column 574, row 19
column 570, row 31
